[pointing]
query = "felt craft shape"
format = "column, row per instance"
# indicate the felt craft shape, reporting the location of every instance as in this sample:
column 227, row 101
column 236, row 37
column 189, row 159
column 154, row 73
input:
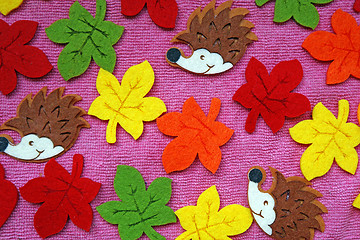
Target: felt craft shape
column 330, row 138
column 205, row 221
column 63, row 195
column 342, row 48
column 48, row 126
column 162, row 12
column 86, row 38
column 8, row 197
column 139, row 209
column 289, row 210
column 17, row 56
column 356, row 202
column 196, row 134
column 270, row 94
column 126, row 104
column 218, row 39
column 6, row 6
column 357, row 6
column 303, row 11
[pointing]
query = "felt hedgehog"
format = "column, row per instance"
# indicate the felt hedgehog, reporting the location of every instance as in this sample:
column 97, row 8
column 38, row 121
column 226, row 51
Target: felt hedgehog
column 48, row 126
column 218, row 38
column 289, row 209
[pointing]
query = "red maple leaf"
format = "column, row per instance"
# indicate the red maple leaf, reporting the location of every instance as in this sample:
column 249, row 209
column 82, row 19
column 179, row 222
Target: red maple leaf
column 15, row 55
column 269, row 95
column 64, row 196
column 197, row 134
column 162, row 12
column 8, row 197
column 357, row 5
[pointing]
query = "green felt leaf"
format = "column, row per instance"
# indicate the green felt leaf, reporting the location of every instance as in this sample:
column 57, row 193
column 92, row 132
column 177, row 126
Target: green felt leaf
column 87, row 38
column 140, row 209
column 303, row 11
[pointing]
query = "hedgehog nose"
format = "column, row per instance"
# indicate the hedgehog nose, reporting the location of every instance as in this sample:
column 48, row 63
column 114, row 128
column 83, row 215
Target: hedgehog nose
column 255, row 175
column 3, row 144
column 173, row 55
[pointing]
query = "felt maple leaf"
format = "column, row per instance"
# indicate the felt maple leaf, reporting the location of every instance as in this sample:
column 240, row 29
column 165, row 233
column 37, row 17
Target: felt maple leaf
column 16, row 56
column 270, row 95
column 63, row 195
column 197, row 134
column 140, row 209
column 8, row 197
column 126, row 104
column 303, row 11
column 342, row 48
column 330, row 138
column 162, row 12
column 86, row 38
column 6, row 6
column 205, row 221
column 357, row 6
column 356, row 202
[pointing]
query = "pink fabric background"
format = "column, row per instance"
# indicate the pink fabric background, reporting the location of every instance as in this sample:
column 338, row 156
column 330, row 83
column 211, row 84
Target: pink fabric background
column 143, row 40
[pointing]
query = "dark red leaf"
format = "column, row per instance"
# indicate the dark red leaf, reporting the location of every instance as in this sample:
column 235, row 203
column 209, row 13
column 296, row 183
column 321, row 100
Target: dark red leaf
column 8, row 197
column 163, row 12
column 357, row 5
column 131, row 7
column 270, row 95
column 27, row 60
column 64, row 196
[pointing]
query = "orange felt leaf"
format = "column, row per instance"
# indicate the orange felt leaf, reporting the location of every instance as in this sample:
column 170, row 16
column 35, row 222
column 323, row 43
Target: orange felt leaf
column 197, row 134
column 342, row 48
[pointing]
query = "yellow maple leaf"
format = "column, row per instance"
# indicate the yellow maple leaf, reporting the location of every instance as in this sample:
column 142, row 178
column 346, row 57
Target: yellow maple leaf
column 205, row 221
column 356, row 202
column 330, row 139
column 126, row 104
column 7, row 6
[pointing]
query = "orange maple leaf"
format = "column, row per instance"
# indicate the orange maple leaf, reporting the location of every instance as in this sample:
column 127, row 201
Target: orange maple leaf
column 197, row 134
column 343, row 47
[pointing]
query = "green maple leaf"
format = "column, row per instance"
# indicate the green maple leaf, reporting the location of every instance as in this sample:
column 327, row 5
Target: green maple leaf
column 303, row 11
column 86, row 37
column 140, row 209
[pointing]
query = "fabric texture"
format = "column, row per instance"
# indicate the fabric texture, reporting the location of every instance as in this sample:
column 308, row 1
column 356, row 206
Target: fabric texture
column 144, row 40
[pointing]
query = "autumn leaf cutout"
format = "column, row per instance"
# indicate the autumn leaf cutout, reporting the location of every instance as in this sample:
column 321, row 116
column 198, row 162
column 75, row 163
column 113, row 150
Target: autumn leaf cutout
column 86, row 38
column 8, row 197
column 342, row 48
column 270, row 95
column 197, row 134
column 63, row 195
column 16, row 56
column 126, row 104
column 205, row 221
column 330, row 138
column 356, row 6
column 139, row 209
column 303, row 12
column 162, row 12
column 6, row 6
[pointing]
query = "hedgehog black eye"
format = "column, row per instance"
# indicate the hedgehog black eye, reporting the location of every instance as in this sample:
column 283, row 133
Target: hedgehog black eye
column 266, row 203
column 202, row 57
column 31, row 143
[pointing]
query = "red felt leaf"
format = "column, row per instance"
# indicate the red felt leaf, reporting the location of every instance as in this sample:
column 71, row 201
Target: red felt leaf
column 64, row 196
column 162, row 12
column 357, row 5
column 27, row 60
column 197, row 134
column 8, row 197
column 270, row 95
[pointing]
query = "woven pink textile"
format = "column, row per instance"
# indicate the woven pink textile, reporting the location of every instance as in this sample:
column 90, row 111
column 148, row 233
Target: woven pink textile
column 143, row 40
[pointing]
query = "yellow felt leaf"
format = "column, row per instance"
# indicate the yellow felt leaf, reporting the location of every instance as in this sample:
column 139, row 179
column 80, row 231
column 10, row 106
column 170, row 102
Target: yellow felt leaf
column 205, row 221
column 126, row 104
column 356, row 202
column 330, row 138
column 7, row 6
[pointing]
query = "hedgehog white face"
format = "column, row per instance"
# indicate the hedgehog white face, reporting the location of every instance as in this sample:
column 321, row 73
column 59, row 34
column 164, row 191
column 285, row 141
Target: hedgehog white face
column 30, row 148
column 201, row 61
column 261, row 204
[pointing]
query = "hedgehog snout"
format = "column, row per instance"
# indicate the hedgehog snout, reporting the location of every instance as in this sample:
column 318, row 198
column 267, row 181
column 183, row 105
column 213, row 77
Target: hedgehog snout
column 173, row 55
column 255, row 175
column 3, row 144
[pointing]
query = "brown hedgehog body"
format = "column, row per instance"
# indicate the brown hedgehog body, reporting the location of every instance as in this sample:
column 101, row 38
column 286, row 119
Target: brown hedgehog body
column 221, row 30
column 53, row 116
